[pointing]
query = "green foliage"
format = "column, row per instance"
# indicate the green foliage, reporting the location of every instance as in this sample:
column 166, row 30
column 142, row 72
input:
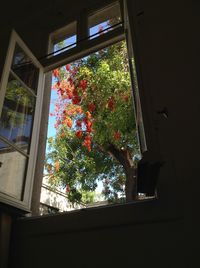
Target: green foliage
column 100, row 86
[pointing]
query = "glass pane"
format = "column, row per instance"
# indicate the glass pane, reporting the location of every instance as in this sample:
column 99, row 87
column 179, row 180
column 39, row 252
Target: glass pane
column 23, row 66
column 17, row 114
column 104, row 20
column 12, row 171
column 64, row 38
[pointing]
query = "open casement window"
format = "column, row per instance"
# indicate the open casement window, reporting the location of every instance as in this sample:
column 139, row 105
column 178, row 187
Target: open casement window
column 20, row 111
column 134, row 80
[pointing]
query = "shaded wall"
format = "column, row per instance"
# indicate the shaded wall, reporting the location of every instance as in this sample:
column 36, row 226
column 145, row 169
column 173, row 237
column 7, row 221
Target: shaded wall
column 104, row 237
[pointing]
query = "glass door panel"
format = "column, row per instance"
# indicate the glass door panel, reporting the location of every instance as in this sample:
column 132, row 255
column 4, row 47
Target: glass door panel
column 20, row 104
column 12, row 170
column 17, row 114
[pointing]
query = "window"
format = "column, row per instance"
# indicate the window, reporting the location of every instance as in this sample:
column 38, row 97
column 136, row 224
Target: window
column 21, row 96
column 104, row 20
column 98, row 41
column 64, row 38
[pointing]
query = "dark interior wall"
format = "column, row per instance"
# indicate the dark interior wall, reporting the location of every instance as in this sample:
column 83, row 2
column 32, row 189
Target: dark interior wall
column 159, row 28
column 54, row 242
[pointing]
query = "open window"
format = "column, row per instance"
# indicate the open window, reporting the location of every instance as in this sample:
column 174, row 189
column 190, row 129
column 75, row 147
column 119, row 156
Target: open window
column 20, row 111
column 106, row 34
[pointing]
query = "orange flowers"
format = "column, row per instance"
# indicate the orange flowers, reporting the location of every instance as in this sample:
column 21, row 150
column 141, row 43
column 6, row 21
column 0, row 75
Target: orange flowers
column 68, row 122
column 79, row 110
column 87, row 142
column 56, row 165
column 62, row 135
column 56, row 73
column 88, row 115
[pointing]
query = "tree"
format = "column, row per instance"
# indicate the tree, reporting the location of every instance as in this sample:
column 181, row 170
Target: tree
column 96, row 137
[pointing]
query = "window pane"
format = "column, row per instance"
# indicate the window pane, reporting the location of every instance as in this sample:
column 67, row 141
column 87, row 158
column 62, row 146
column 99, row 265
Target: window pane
column 104, row 19
column 22, row 65
column 12, row 170
column 64, row 38
column 17, row 114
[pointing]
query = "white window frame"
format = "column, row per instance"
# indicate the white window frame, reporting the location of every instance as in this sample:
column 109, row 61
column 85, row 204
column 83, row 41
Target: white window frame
column 25, row 203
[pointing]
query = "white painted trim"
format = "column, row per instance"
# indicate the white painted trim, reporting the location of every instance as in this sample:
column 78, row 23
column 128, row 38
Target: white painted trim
column 6, row 71
column 34, row 141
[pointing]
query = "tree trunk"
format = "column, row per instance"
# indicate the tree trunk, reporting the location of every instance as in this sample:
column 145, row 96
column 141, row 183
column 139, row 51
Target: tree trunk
column 125, row 159
column 131, row 184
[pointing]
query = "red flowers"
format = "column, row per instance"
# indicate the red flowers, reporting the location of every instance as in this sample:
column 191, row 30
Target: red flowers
column 78, row 123
column 87, row 142
column 79, row 134
column 111, row 104
column 67, row 188
column 88, row 125
column 83, row 84
column 68, row 68
column 76, row 100
column 56, row 73
column 91, row 107
column 117, row 135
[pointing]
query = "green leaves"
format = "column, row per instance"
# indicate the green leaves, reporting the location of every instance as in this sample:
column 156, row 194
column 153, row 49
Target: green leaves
column 102, row 87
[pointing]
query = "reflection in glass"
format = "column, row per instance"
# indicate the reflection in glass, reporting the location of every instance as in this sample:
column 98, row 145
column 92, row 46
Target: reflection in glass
column 103, row 19
column 12, row 171
column 22, row 65
column 17, row 114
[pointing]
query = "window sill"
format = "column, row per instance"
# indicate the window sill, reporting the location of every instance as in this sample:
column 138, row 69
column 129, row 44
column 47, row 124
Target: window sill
column 138, row 212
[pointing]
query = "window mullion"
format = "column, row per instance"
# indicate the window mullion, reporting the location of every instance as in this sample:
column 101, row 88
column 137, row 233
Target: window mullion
column 82, row 26
column 23, row 84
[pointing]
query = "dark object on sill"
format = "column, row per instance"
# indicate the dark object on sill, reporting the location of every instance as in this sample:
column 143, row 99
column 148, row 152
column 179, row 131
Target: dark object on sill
column 147, row 176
